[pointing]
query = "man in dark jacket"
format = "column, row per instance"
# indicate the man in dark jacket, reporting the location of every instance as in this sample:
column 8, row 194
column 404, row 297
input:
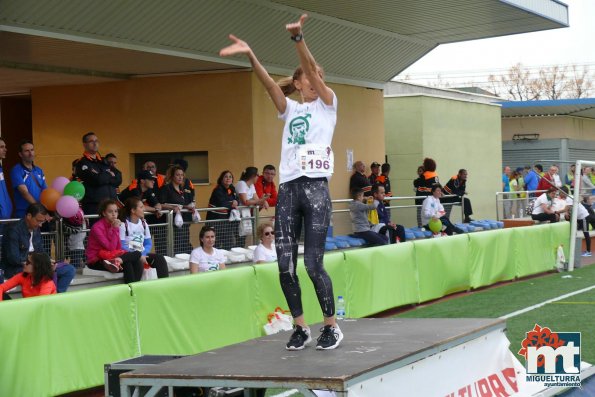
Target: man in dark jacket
column 24, row 237
column 99, row 180
column 457, row 185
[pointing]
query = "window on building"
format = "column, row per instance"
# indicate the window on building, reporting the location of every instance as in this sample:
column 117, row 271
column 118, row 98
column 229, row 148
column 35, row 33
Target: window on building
column 198, row 163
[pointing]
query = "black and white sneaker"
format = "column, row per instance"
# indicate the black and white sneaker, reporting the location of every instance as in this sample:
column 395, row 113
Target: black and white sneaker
column 330, row 338
column 299, row 339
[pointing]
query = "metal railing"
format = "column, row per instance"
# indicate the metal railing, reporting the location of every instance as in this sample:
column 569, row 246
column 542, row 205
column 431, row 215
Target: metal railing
column 67, row 242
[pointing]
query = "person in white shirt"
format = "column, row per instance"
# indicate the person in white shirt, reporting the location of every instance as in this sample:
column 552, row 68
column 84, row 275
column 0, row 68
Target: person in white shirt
column 432, row 209
column 543, row 207
column 247, row 194
column 265, row 251
column 136, row 236
column 206, row 258
column 583, row 218
column 307, row 163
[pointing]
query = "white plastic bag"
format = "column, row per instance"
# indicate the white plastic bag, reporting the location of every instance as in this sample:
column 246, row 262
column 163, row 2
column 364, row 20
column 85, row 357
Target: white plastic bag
column 561, row 258
column 278, row 321
column 196, row 216
column 149, row 274
column 178, row 221
column 234, row 215
column 245, row 222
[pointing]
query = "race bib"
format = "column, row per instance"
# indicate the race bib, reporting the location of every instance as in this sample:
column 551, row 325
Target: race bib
column 316, row 159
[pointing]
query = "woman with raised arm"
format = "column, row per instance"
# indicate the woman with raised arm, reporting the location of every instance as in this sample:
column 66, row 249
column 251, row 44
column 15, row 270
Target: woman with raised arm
column 306, row 166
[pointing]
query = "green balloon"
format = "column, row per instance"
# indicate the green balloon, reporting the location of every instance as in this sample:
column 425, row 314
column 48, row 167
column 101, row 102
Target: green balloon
column 434, row 224
column 75, row 189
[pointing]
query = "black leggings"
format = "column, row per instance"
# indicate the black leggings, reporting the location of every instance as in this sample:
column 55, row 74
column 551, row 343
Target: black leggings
column 583, row 224
column 158, row 263
column 132, row 268
column 303, row 201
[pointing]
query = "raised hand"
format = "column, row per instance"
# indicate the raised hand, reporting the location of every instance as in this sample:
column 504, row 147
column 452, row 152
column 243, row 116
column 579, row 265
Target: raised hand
column 296, row 27
column 238, row 47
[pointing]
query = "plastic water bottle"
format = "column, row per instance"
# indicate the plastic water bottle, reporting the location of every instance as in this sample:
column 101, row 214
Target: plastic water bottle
column 340, row 308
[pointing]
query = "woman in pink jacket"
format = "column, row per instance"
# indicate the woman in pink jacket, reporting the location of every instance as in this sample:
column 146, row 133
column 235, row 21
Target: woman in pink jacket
column 104, row 248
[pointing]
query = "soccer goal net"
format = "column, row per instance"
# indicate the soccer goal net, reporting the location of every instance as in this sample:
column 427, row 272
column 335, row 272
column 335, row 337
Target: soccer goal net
column 582, row 192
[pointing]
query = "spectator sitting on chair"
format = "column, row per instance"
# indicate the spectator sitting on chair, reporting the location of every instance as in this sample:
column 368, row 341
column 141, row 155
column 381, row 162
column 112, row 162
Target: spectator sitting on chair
column 433, row 209
column 265, row 251
column 104, row 248
column 206, row 258
column 265, row 185
column 359, row 180
column 36, row 278
column 23, row 237
column 359, row 220
column 135, row 235
column 457, row 185
column 395, row 232
column 542, row 207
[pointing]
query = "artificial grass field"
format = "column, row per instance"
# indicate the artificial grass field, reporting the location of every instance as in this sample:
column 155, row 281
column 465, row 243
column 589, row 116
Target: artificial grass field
column 575, row 313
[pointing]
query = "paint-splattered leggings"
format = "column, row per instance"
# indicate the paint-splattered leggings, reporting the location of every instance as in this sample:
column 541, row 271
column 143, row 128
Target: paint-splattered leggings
column 303, row 201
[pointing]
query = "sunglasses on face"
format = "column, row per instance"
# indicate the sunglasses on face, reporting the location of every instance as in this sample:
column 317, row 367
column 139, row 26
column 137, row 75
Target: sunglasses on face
column 269, row 233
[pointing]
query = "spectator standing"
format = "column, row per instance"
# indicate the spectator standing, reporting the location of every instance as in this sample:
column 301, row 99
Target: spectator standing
column 135, row 235
column 152, row 168
column 532, row 179
column 424, row 184
column 24, row 237
column 112, row 161
column 569, row 178
column 384, row 180
column 5, row 202
column 28, row 180
column 223, row 196
column 375, row 172
column 522, row 187
column 247, row 194
column 206, row 258
column 358, row 180
column 587, row 185
column 266, row 186
column 36, row 278
column 457, row 185
column 176, row 196
column 99, row 180
column 506, row 203
column 104, row 247
column 265, row 251
column 548, row 179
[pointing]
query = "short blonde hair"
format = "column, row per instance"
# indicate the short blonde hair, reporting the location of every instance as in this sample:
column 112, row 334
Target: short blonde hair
column 260, row 229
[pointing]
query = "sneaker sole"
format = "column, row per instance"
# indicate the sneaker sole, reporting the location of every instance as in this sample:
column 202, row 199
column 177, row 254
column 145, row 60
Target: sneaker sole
column 301, row 347
column 333, row 346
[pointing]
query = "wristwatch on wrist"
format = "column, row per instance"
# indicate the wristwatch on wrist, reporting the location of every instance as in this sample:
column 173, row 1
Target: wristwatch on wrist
column 298, row 37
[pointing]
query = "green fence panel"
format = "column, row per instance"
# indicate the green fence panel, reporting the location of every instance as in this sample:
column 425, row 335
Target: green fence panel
column 195, row 313
column 534, row 250
column 270, row 295
column 380, row 278
column 560, row 234
column 442, row 266
column 56, row 344
column 491, row 257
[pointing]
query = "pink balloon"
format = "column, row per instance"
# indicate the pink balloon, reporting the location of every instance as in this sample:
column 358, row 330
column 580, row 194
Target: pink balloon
column 67, row 206
column 59, row 184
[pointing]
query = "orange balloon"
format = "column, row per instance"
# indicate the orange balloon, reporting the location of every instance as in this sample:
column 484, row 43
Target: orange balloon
column 49, row 197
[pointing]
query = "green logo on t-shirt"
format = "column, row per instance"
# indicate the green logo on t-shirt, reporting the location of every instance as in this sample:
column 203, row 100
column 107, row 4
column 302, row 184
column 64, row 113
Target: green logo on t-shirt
column 298, row 127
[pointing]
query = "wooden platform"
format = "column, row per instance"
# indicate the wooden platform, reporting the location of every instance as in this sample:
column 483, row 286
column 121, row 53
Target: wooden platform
column 371, row 347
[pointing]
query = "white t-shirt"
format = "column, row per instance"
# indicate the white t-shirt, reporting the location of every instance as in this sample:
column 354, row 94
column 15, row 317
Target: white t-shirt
column 582, row 211
column 137, row 233
column 431, row 207
column 262, row 253
column 543, row 199
column 206, row 262
column 308, row 123
column 242, row 187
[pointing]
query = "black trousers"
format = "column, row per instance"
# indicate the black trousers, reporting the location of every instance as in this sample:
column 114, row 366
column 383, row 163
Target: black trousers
column 303, row 202
column 158, row 263
column 131, row 266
